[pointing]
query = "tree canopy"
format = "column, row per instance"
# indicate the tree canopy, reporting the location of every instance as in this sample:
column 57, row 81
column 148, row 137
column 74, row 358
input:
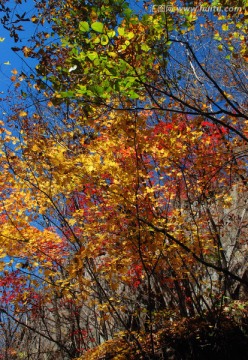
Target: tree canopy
column 123, row 159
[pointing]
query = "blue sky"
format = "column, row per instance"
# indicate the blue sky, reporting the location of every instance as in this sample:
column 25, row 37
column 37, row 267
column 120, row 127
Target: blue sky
column 10, row 60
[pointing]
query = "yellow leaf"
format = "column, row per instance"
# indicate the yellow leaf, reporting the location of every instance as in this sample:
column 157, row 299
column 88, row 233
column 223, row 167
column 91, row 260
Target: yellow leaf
column 224, row 27
column 35, row 147
column 23, row 113
column 72, row 222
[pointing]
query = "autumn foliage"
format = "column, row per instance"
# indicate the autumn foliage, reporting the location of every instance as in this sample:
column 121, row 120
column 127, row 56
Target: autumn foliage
column 123, row 184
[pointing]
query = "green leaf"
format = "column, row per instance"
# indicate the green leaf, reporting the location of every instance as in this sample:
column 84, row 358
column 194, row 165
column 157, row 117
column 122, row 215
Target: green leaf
column 133, row 95
column 92, row 55
column 112, row 54
column 96, row 62
column 104, row 40
column 2, row 39
column 130, row 35
column 145, row 47
column 121, row 31
column 96, row 40
column 111, row 33
column 82, row 89
column 67, row 94
column 98, row 90
column 84, row 26
column 128, row 13
column 216, row 3
column 123, row 47
column 97, row 26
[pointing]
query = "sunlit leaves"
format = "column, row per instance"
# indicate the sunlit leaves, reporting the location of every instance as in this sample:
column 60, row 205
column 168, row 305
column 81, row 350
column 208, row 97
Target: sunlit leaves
column 104, row 40
column 84, row 26
column 22, row 113
column 97, row 26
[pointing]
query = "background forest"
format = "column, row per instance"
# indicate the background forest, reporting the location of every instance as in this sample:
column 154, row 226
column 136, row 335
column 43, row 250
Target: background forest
column 123, row 183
